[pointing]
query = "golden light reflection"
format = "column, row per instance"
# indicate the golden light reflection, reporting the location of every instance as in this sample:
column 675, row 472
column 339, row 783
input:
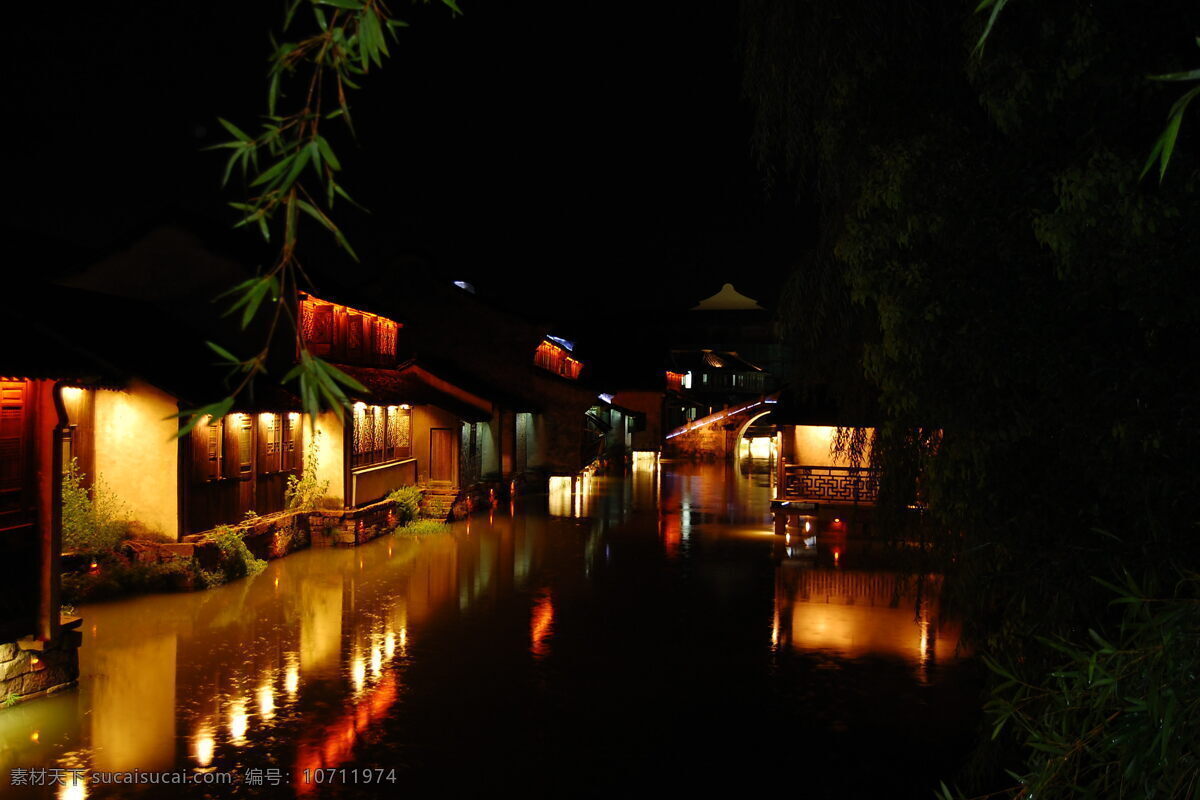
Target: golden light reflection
column 73, row 787
column 645, row 460
column 376, row 660
column 403, row 641
column 358, row 670
column 860, row 613
column 239, row 721
column 204, row 745
column 541, row 623
column 560, row 495
column 291, row 676
column 389, row 645
column 266, row 700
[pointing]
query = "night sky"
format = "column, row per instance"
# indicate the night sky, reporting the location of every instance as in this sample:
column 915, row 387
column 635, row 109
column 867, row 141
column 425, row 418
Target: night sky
column 570, row 159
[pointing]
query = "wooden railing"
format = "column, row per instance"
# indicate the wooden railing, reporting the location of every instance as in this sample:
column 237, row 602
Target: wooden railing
column 852, row 485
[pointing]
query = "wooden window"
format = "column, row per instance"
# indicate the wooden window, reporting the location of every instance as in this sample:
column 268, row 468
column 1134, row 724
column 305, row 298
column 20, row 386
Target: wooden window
column 380, row 434
column 288, row 458
column 550, row 356
column 347, row 334
column 208, row 450
column 245, row 443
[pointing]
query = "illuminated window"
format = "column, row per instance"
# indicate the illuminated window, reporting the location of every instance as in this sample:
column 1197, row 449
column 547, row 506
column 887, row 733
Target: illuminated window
column 675, row 381
column 278, row 433
column 212, row 448
column 553, row 357
column 381, row 434
column 346, row 334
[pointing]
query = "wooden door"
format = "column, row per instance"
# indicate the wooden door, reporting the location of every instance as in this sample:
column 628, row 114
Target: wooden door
column 441, row 455
column 23, row 565
column 17, row 489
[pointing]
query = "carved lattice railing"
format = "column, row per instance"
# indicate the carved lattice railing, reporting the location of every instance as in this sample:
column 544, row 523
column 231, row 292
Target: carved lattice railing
column 853, row 485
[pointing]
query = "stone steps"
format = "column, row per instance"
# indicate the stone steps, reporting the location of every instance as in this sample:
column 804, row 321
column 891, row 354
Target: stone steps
column 437, row 503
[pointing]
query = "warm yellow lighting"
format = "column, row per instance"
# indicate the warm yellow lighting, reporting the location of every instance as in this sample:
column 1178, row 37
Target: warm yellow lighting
column 266, row 700
column 73, row 787
column 33, row 737
column 358, row 671
column 560, row 495
column 293, row 417
column 807, row 526
column 360, row 407
column 403, row 639
column 204, row 745
column 644, row 459
column 405, row 406
column 71, row 393
column 376, row 661
column 239, row 721
column 389, row 645
column 291, row 677
column 760, row 446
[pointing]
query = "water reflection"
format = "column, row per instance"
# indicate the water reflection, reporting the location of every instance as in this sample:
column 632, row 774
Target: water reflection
column 858, row 613
column 631, row 600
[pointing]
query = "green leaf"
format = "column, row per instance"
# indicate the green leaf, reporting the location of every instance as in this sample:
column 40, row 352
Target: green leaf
column 274, row 171
column 215, row 410
column 1190, row 75
column 997, row 6
column 453, row 6
column 298, row 164
column 223, row 353
column 234, row 129
column 327, row 152
column 341, row 377
column 353, row 5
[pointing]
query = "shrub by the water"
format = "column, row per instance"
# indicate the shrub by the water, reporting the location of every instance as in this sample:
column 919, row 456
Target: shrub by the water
column 408, row 503
column 93, row 521
column 305, row 492
column 236, row 559
column 114, row 577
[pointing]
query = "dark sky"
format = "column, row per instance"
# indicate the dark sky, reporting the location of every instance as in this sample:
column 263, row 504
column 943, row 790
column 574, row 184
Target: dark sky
column 565, row 155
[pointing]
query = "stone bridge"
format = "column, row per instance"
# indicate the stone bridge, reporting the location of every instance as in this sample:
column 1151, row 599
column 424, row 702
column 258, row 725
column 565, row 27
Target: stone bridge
column 716, row 437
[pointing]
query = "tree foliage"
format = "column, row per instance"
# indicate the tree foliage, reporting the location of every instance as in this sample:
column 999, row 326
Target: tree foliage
column 290, row 170
column 1019, row 303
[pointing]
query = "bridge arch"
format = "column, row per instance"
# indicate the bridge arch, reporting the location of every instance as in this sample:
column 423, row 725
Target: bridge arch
column 717, row 437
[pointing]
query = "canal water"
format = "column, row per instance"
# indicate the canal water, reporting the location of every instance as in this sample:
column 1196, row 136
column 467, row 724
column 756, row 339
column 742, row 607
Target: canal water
column 649, row 634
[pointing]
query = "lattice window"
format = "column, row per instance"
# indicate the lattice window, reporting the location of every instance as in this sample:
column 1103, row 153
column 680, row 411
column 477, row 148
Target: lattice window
column 381, row 434
column 215, row 446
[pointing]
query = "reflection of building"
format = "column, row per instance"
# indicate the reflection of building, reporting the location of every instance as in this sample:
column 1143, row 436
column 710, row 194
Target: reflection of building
column 856, row 614
column 133, row 703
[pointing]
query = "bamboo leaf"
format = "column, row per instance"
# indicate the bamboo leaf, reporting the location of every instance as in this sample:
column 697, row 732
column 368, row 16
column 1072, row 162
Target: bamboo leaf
column 327, row 152
column 996, row 6
column 273, row 171
column 237, row 132
column 352, row 5
column 194, row 416
column 298, row 165
column 342, row 378
column 223, row 353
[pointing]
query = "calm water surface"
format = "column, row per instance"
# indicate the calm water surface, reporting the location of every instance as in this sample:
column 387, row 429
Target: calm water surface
column 650, row 636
